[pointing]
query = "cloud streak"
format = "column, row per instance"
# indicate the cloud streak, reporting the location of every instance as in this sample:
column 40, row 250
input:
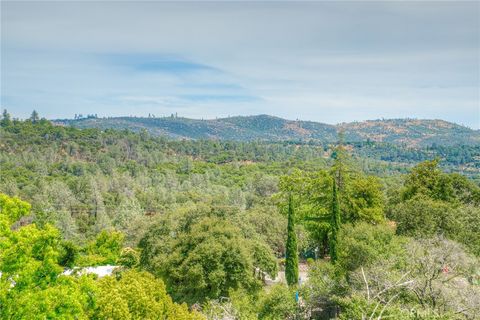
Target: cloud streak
column 321, row 61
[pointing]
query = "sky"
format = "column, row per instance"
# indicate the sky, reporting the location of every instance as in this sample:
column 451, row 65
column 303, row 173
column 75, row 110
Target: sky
column 325, row 61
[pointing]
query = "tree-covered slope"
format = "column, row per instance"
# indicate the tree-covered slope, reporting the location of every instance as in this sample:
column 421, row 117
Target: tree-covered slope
column 410, row 132
column 263, row 127
column 260, row 127
column 196, row 226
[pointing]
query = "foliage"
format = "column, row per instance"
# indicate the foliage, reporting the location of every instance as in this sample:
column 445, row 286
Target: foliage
column 129, row 258
column 69, row 253
column 263, row 259
column 278, row 303
column 67, row 298
column 200, row 261
column 291, row 256
column 436, row 203
column 423, row 217
column 334, row 224
column 239, row 305
column 427, row 179
column 6, row 119
column 31, row 284
column 264, row 127
column 208, row 218
column 442, row 273
column 363, row 244
column 11, row 209
column 358, row 307
column 325, row 283
column 321, row 209
column 468, row 232
column 269, row 225
column 364, row 200
column 434, row 277
column 105, row 249
column 137, row 295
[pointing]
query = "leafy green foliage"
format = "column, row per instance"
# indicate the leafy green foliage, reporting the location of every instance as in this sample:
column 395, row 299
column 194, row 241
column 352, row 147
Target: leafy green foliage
column 105, row 249
column 31, row 285
column 364, row 200
column 278, row 303
column 6, row 119
column 363, row 244
column 129, row 258
column 11, row 209
column 422, row 216
column 204, row 259
column 69, row 253
column 358, row 307
column 321, row 208
column 210, row 219
column 334, row 224
column 291, row 255
column 324, row 285
column 263, row 259
column 67, row 298
column 427, row 179
column 435, row 203
column 137, row 295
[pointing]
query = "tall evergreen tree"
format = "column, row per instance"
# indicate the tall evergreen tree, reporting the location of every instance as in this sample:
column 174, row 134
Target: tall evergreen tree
column 6, row 119
column 335, row 223
column 291, row 261
column 340, row 166
column 34, row 117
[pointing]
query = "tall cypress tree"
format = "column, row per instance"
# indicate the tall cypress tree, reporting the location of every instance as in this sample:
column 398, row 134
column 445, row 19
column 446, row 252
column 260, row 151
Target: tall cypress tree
column 334, row 223
column 339, row 168
column 291, row 259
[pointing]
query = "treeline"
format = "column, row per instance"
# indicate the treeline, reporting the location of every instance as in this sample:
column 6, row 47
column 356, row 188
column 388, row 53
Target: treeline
column 450, row 155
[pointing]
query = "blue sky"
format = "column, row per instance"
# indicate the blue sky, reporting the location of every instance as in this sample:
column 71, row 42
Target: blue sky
column 323, row 61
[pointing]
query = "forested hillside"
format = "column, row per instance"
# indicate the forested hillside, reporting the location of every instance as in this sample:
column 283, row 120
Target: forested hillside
column 208, row 229
column 403, row 132
column 411, row 132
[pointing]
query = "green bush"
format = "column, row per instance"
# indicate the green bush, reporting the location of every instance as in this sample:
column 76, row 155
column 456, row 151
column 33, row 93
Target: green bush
column 129, row 258
column 278, row 303
column 362, row 244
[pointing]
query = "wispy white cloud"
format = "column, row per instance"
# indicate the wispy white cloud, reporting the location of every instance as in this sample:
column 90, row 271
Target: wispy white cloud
column 323, row 61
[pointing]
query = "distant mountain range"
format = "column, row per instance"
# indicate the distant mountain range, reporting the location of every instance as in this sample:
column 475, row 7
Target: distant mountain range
column 409, row 132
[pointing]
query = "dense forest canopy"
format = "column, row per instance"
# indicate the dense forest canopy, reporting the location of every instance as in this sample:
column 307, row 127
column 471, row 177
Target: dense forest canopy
column 204, row 229
column 404, row 132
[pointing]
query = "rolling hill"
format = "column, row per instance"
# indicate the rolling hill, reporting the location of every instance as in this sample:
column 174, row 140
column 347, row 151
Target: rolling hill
column 410, row 132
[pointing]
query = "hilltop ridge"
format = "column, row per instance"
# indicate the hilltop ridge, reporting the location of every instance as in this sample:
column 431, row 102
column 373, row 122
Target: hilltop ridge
column 411, row 132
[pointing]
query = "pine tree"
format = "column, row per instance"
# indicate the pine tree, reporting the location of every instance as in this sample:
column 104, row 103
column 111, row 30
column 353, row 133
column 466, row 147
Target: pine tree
column 334, row 223
column 34, row 117
column 291, row 261
column 6, row 119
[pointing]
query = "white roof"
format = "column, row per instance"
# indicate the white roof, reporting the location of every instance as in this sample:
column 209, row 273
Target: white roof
column 100, row 271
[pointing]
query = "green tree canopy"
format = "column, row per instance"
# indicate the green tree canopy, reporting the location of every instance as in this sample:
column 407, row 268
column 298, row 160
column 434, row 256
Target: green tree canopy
column 137, row 295
column 203, row 261
column 427, row 179
column 31, row 285
column 438, row 203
